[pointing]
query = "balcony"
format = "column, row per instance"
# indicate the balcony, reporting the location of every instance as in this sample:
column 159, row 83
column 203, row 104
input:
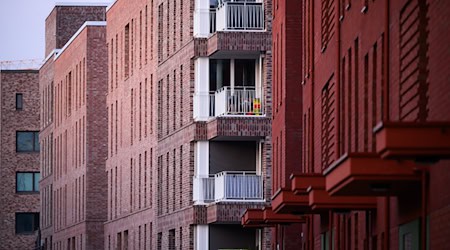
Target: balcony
column 237, row 101
column 238, row 15
column 229, row 186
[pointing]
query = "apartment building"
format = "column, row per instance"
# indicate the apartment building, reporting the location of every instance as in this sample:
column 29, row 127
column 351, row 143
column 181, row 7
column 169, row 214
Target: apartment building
column 189, row 107
column 72, row 87
column 372, row 86
column 19, row 158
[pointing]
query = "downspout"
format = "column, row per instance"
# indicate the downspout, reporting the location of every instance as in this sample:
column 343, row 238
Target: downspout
column 386, row 111
column 423, row 235
column 330, row 230
column 386, row 61
column 387, row 222
column 338, row 78
column 311, row 235
column 338, row 233
column 312, row 85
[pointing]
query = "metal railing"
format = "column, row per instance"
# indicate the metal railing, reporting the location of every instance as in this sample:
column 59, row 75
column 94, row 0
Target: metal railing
column 238, row 186
column 212, row 103
column 206, row 188
column 212, row 20
column 240, row 15
column 229, row 186
column 237, row 101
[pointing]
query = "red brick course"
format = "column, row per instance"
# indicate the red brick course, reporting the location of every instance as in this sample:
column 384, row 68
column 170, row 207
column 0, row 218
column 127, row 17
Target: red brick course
column 11, row 162
column 151, row 130
column 355, row 74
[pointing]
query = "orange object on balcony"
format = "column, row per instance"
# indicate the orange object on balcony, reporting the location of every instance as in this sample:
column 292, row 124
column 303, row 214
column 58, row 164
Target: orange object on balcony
column 423, row 142
column 267, row 218
column 366, row 174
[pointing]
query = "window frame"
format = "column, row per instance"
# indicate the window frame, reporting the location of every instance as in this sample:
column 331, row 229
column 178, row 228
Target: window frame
column 19, row 107
column 35, row 139
column 33, row 191
column 35, row 223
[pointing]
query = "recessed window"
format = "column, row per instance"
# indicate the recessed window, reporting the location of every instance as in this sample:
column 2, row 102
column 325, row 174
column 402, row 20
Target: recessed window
column 27, row 223
column 19, row 101
column 27, row 141
column 27, row 181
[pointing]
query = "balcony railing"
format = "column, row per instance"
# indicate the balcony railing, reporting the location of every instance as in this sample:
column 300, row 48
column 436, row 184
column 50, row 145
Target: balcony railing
column 237, row 101
column 240, row 15
column 229, row 186
column 212, row 20
column 212, row 103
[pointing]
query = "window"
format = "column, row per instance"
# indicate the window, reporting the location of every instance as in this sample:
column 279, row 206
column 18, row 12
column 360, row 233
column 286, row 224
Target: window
column 27, row 182
column 27, row 223
column 19, row 101
column 27, row 141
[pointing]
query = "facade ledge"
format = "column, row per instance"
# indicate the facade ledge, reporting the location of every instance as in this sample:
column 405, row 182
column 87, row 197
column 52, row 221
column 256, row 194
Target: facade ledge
column 230, row 212
column 366, row 174
column 239, row 128
column 423, row 142
column 225, row 44
column 320, row 200
column 286, row 202
column 266, row 217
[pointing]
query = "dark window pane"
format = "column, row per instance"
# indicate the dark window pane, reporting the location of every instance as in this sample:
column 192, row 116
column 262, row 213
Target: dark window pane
column 219, row 73
column 19, row 101
column 25, row 141
column 36, row 181
column 24, row 182
column 36, row 141
column 244, row 72
column 36, row 221
column 27, row 222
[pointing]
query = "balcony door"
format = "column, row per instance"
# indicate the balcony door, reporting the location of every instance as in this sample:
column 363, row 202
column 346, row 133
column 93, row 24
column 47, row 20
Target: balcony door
column 233, row 73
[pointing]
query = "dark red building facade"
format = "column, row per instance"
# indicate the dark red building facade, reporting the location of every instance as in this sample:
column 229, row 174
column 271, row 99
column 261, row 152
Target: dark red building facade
column 360, row 125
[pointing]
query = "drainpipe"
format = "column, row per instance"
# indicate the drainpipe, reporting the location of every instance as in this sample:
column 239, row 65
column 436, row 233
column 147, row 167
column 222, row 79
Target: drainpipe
column 385, row 117
column 311, row 232
column 387, row 222
column 312, row 86
column 423, row 235
column 338, row 78
column 386, row 61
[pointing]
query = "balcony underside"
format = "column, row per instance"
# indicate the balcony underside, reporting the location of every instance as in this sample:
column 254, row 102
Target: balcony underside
column 312, row 187
column 229, row 213
column 321, row 201
column 301, row 183
column 238, row 128
column 424, row 142
column 286, row 202
column 228, row 44
column 368, row 175
column 267, row 218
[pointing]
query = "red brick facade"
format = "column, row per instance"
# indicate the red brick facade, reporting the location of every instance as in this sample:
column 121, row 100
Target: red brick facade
column 73, row 97
column 152, row 133
column 12, row 162
column 345, row 67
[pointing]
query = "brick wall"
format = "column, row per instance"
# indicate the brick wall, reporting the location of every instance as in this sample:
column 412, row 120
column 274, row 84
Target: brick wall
column 151, row 131
column 353, row 78
column 79, row 180
column 11, row 162
column 64, row 21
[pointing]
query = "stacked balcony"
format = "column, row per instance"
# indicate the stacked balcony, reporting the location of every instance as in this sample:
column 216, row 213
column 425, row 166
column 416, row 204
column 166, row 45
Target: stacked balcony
column 238, row 16
column 228, row 172
column 233, row 88
column 230, row 186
